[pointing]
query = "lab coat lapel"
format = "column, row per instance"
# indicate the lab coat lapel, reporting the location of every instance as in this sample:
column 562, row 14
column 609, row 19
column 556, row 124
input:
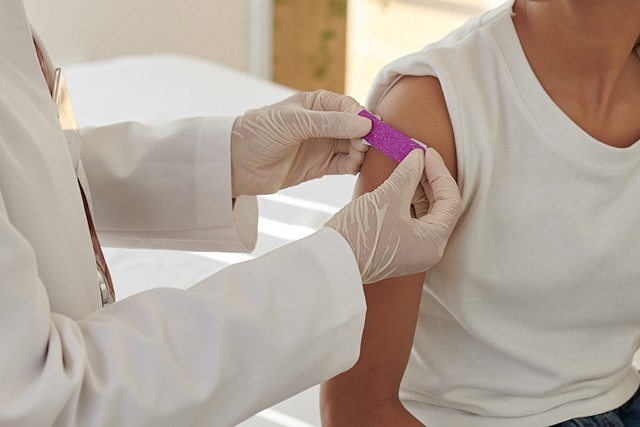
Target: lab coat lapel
column 37, row 177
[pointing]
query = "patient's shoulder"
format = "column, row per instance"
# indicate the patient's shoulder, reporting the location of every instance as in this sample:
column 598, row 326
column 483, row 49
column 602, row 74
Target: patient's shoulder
column 416, row 106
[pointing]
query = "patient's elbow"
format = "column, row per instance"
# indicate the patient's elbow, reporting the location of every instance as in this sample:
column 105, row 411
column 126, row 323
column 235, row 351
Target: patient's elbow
column 342, row 408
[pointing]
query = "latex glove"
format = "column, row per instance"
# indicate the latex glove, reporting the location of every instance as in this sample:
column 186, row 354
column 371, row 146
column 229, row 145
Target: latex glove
column 306, row 136
column 422, row 198
column 386, row 240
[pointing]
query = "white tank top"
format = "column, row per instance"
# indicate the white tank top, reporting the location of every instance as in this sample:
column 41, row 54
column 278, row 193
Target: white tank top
column 533, row 315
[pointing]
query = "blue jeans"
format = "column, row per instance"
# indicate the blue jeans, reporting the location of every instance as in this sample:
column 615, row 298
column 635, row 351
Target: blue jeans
column 628, row 415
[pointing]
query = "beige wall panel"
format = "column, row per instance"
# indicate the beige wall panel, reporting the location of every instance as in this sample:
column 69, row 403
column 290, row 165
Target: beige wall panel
column 80, row 30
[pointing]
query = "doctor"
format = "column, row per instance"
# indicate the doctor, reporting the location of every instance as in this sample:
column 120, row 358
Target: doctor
column 239, row 341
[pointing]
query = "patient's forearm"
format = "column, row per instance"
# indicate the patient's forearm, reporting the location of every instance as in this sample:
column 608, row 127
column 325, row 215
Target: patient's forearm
column 368, row 392
column 381, row 415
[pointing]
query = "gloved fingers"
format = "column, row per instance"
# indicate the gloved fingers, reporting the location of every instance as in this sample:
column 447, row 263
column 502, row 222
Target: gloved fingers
column 404, row 179
column 329, row 114
column 446, row 196
column 358, row 145
column 435, row 168
column 344, row 164
column 423, row 197
column 348, row 159
column 416, row 172
column 330, row 124
column 357, row 152
column 420, row 202
column 324, row 100
column 428, row 191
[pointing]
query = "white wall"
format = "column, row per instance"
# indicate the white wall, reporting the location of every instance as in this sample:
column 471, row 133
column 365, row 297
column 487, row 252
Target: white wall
column 80, row 30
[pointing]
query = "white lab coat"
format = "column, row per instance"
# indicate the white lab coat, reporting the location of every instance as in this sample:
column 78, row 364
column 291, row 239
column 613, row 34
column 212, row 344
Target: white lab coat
column 239, row 341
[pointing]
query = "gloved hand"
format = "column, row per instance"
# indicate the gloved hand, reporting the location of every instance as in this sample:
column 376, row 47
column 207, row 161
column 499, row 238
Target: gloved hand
column 385, row 239
column 422, row 198
column 306, row 136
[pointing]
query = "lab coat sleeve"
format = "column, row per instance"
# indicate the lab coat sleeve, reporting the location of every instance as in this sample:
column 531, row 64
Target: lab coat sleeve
column 239, row 341
column 167, row 186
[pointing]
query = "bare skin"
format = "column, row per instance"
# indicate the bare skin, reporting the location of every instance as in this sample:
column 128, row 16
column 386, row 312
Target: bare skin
column 581, row 51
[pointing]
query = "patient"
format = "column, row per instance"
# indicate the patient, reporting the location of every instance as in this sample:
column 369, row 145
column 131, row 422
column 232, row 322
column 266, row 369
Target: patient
column 532, row 317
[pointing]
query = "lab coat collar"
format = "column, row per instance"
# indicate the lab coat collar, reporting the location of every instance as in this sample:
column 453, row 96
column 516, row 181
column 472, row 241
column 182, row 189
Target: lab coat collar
column 16, row 46
column 36, row 147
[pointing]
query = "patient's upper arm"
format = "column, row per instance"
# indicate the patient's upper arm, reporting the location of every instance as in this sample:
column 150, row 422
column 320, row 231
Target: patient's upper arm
column 415, row 106
column 368, row 393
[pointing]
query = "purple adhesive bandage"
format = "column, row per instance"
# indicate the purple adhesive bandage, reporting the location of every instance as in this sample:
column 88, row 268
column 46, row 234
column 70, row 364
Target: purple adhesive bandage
column 388, row 140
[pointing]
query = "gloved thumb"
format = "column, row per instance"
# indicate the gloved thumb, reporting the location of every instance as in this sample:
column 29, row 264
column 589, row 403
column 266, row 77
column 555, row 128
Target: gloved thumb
column 445, row 190
column 406, row 176
column 446, row 205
